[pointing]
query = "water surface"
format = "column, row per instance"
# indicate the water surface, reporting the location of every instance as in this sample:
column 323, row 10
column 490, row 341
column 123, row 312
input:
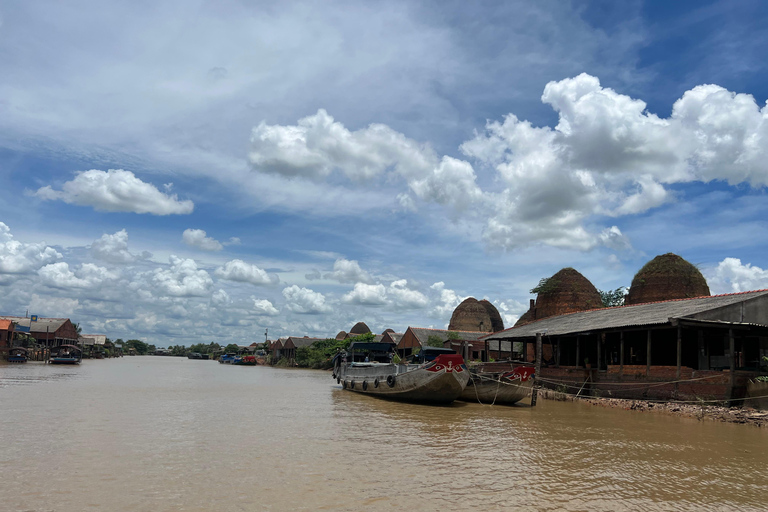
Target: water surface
column 172, row 434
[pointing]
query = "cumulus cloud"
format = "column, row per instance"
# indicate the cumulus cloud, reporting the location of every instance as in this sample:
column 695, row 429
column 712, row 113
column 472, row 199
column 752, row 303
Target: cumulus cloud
column 59, row 275
column 220, row 298
column 53, row 306
column 116, row 190
column 114, row 249
column 238, row 270
column 366, row 295
column 397, row 295
column 318, row 145
column 446, row 300
column 305, row 301
column 608, row 155
column 197, row 238
column 264, row 307
column 731, row 275
column 348, row 271
column 20, row 258
column 182, row 278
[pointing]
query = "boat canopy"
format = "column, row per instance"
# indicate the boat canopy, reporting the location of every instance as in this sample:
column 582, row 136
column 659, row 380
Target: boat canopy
column 21, row 349
column 75, row 347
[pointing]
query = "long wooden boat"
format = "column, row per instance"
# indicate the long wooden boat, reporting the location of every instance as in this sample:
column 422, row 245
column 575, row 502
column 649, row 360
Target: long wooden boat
column 66, row 354
column 441, row 380
column 501, row 383
column 17, row 355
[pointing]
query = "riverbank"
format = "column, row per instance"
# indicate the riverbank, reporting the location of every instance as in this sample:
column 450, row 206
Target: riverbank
column 745, row 415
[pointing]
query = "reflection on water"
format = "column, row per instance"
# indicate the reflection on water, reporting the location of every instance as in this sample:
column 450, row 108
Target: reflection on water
column 149, row 433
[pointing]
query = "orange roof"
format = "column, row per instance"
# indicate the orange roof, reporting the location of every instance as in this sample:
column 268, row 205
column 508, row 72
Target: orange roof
column 5, row 325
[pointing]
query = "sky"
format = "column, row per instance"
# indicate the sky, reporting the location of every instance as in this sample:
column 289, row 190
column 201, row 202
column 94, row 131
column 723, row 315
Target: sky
column 193, row 171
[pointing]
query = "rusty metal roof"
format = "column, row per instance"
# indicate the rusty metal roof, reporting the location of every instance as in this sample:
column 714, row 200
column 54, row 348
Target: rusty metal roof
column 653, row 313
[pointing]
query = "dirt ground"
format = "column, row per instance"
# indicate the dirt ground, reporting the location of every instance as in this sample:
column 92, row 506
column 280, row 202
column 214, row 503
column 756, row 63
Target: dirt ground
column 743, row 415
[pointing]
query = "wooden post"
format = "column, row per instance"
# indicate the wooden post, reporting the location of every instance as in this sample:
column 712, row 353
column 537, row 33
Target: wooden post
column 599, row 342
column 621, row 354
column 578, row 355
column 487, row 355
column 732, row 353
column 679, row 356
column 537, row 369
column 648, row 355
column 557, row 354
column 525, row 352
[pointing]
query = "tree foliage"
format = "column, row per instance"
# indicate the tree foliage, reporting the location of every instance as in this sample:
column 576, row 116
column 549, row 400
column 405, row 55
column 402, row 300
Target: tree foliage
column 613, row 298
column 139, row 346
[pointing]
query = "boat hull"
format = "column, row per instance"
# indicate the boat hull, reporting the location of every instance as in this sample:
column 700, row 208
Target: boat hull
column 441, row 381
column 64, row 360
column 499, row 387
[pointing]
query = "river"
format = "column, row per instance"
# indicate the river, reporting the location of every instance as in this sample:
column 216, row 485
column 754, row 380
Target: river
column 171, row 434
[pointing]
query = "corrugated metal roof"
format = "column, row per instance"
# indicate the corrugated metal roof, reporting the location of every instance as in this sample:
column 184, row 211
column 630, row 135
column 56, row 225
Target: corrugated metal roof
column 423, row 334
column 653, row 313
column 52, row 324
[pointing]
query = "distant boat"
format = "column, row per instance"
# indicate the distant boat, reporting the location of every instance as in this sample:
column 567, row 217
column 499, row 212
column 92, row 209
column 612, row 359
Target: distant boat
column 227, row 358
column 17, row 355
column 65, row 354
column 245, row 361
column 195, row 355
column 440, row 380
column 501, row 383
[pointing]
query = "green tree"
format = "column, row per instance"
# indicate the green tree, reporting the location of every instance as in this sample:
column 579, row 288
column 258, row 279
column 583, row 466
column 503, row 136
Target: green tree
column 232, row 348
column 434, row 341
column 613, row 298
column 139, row 346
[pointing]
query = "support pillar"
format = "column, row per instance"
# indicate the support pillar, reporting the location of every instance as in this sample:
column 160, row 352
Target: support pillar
column 600, row 340
column 679, row 357
column 621, row 355
column 648, row 355
column 537, row 369
column 732, row 354
column 578, row 350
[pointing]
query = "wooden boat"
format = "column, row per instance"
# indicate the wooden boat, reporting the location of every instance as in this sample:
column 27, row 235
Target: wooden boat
column 195, row 355
column 227, row 358
column 65, row 354
column 500, row 383
column 17, row 355
column 245, row 361
column 440, row 380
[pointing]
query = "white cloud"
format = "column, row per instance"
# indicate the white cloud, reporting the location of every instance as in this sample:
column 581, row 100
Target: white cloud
column 366, row 295
column 318, row 145
column 116, row 190
column 511, row 311
column 20, row 258
column 182, row 279
column 348, row 271
column 58, row 275
column 403, row 297
column 220, row 298
column 731, row 275
column 305, row 301
column 264, row 307
column 114, row 249
column 53, row 306
column 238, row 270
column 397, row 295
column 446, row 300
column 197, row 238
column 609, row 156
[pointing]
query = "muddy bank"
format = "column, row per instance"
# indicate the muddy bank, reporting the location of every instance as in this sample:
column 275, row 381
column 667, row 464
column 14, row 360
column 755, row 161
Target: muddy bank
column 744, row 415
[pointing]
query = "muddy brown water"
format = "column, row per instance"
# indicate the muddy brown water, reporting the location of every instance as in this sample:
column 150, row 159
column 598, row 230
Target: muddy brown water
column 170, row 434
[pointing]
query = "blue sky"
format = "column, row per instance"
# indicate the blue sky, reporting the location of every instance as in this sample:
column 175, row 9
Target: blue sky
column 198, row 171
